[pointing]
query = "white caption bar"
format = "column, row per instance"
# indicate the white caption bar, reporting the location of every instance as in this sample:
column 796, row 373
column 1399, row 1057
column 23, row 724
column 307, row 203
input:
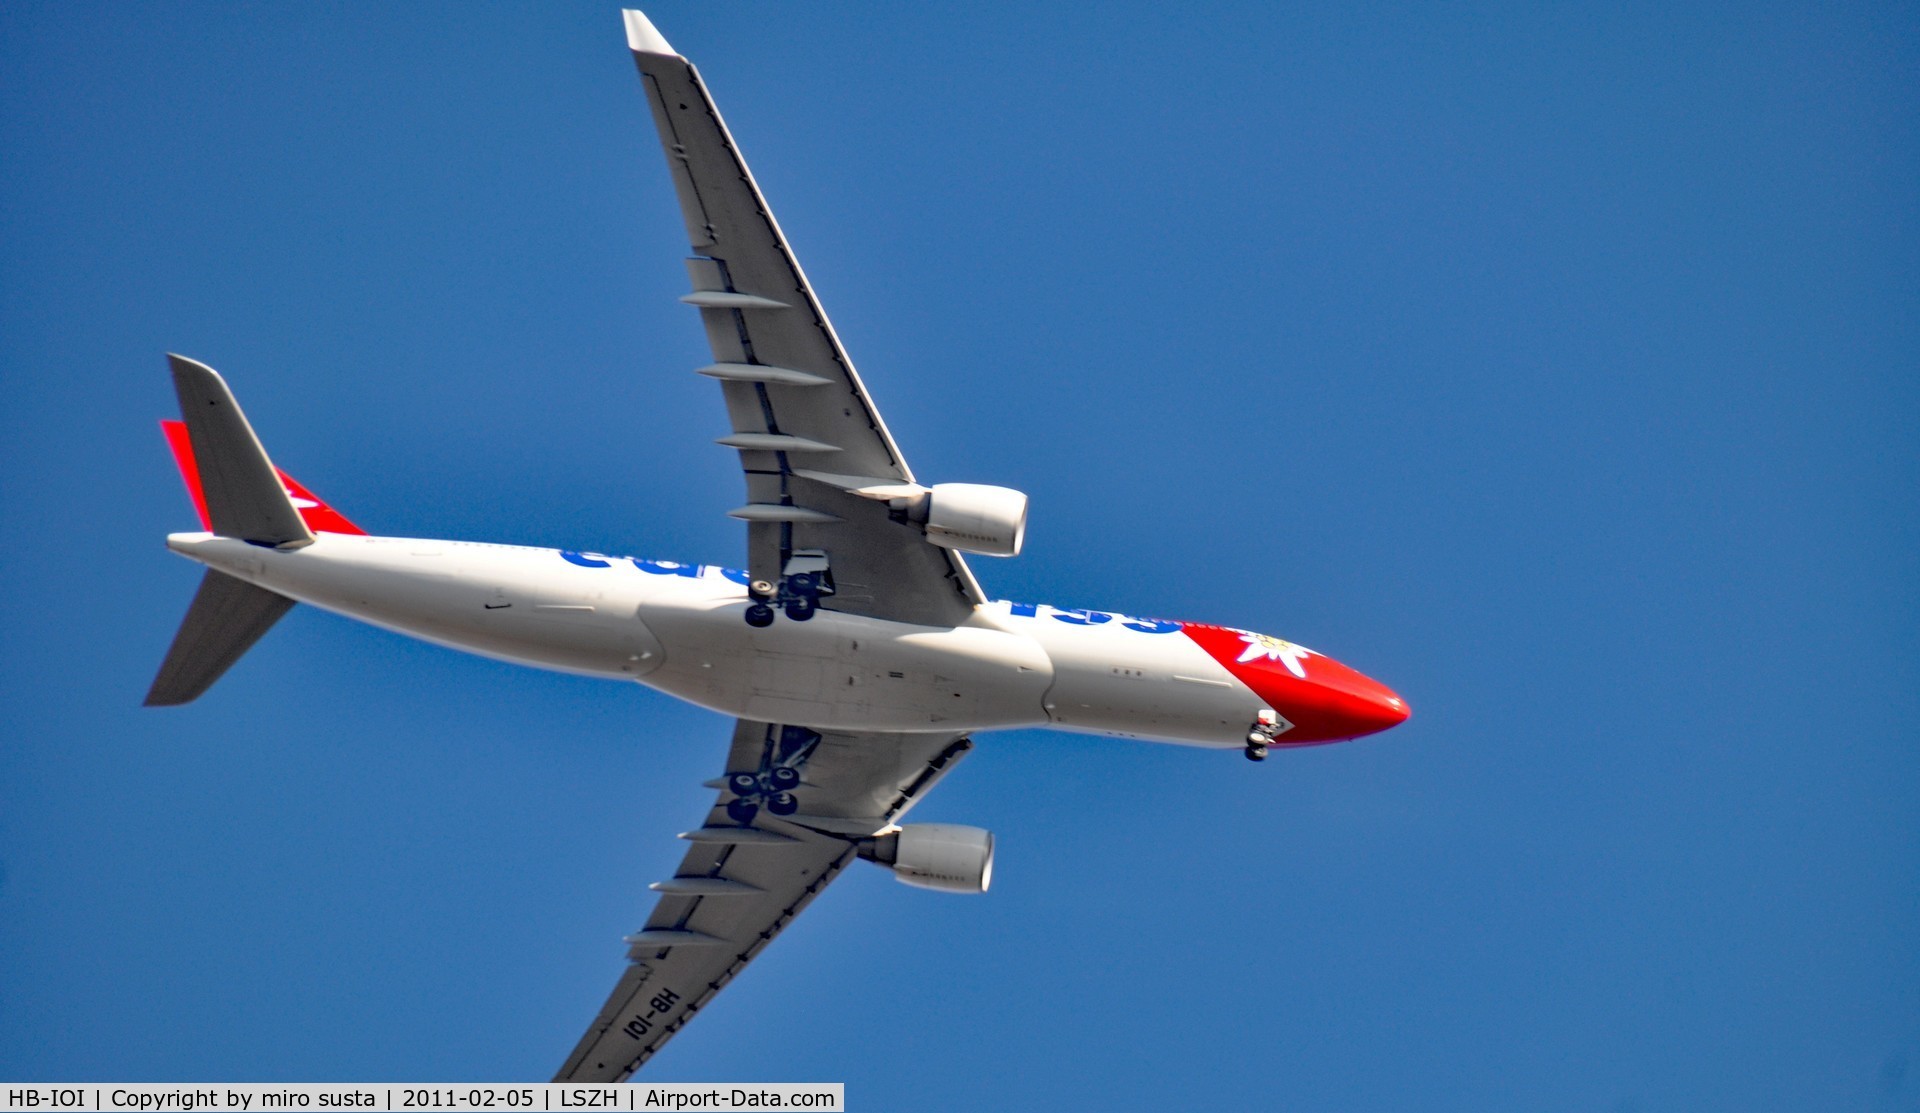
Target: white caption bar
column 420, row 1097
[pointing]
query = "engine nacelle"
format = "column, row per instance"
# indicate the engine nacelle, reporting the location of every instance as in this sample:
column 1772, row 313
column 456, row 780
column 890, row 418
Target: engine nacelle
column 940, row 856
column 976, row 518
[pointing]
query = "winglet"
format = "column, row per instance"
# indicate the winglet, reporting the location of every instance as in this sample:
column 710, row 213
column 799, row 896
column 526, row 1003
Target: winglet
column 643, row 37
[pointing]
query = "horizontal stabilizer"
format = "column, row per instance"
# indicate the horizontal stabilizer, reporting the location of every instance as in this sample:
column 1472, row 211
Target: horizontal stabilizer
column 243, row 494
column 226, row 618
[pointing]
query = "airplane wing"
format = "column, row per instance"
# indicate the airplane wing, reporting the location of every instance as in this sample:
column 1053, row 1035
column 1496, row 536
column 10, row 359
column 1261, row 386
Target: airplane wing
column 807, row 432
column 791, row 807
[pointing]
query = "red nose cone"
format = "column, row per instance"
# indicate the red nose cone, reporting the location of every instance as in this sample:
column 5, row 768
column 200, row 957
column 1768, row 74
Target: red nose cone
column 1324, row 700
column 1334, row 702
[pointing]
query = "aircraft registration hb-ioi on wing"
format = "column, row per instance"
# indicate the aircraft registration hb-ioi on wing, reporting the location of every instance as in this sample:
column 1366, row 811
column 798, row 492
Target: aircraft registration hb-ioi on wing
column 856, row 649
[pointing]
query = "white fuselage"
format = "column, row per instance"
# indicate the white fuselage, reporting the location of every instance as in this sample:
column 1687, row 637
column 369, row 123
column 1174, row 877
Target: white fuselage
column 681, row 629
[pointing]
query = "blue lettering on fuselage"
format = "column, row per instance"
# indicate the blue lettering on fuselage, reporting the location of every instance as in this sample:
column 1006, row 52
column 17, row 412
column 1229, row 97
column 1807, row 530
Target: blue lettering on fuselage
column 654, row 567
column 1079, row 616
column 666, row 567
column 1073, row 616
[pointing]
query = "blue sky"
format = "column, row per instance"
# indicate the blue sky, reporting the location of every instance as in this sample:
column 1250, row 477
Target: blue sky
column 1557, row 368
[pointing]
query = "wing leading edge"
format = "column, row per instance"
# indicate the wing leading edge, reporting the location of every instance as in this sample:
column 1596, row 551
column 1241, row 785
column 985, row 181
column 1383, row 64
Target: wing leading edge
column 750, row 871
column 807, row 432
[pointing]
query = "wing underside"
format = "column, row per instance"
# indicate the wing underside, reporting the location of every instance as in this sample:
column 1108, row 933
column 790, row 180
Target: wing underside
column 807, row 432
column 793, row 809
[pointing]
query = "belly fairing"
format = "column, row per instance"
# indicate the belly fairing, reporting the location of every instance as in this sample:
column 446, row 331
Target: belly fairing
column 846, row 671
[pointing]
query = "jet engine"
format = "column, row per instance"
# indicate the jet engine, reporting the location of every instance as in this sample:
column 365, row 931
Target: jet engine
column 940, row 856
column 973, row 518
column 970, row 517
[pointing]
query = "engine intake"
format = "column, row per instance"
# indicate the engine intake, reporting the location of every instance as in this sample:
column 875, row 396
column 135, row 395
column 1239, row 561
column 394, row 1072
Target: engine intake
column 943, row 856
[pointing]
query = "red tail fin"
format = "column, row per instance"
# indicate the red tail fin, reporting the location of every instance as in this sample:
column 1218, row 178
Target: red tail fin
column 320, row 517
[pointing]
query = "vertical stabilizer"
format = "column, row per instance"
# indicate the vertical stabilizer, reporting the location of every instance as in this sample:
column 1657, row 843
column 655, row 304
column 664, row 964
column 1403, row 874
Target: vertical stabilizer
column 320, row 517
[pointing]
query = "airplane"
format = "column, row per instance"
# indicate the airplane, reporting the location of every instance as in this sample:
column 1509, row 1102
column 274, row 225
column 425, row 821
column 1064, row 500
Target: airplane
column 856, row 650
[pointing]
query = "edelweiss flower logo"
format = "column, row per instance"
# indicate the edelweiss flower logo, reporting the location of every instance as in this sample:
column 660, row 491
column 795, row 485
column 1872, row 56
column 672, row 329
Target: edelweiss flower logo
column 1273, row 649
